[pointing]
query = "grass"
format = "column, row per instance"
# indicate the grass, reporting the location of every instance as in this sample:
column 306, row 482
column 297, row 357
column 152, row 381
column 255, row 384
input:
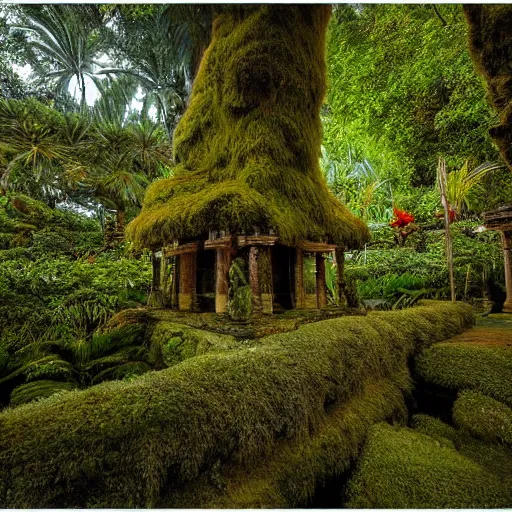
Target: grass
column 402, row 468
column 121, row 444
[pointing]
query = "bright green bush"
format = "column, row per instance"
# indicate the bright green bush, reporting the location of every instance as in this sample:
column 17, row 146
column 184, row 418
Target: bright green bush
column 483, row 416
column 401, row 468
column 125, row 443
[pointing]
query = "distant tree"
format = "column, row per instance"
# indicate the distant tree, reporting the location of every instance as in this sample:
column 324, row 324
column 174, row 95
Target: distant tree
column 403, row 90
column 65, row 42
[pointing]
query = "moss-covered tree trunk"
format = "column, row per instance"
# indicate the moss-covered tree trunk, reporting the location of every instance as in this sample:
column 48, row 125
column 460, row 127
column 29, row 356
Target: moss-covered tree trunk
column 490, row 42
column 248, row 146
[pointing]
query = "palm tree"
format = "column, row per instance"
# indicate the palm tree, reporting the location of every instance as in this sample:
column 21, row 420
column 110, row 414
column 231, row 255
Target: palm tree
column 64, row 36
column 31, row 148
column 156, row 64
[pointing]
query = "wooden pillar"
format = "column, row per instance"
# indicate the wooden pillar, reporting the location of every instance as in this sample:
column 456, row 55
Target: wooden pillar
column 300, row 297
column 222, row 255
column 507, row 254
column 266, row 284
column 188, row 271
column 174, row 284
column 254, row 280
column 321, row 286
column 340, row 275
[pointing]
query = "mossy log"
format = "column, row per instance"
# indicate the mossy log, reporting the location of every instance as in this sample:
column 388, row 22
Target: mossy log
column 490, row 44
column 248, row 146
column 125, row 444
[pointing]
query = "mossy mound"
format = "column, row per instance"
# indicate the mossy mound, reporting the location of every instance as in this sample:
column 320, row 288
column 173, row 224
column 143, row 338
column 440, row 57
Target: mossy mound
column 401, row 468
column 248, row 146
column 483, row 417
column 491, row 50
column 123, row 444
column 177, row 342
column 485, row 367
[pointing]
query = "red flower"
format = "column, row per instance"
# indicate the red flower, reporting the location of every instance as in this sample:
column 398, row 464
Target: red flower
column 402, row 218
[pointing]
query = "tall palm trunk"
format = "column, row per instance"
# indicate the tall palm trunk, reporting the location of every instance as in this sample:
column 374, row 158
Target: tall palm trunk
column 120, row 219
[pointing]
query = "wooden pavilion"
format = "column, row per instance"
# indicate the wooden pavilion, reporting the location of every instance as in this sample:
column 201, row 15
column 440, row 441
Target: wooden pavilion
column 501, row 220
column 248, row 183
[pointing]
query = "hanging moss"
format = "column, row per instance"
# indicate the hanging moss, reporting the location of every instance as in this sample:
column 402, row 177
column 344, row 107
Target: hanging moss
column 490, row 43
column 248, row 146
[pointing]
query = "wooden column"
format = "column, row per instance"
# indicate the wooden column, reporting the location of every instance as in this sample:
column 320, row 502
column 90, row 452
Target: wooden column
column 321, row 286
column 222, row 255
column 507, row 254
column 265, row 273
column 340, row 275
column 174, row 284
column 300, row 297
column 188, row 271
column 254, row 280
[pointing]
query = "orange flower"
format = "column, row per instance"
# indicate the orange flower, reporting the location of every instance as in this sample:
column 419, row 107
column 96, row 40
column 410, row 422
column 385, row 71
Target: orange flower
column 402, row 218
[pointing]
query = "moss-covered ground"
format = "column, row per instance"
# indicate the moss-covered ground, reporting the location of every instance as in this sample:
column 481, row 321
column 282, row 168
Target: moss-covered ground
column 260, row 425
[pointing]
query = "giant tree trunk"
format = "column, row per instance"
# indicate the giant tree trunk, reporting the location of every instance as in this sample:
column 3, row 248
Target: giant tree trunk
column 247, row 149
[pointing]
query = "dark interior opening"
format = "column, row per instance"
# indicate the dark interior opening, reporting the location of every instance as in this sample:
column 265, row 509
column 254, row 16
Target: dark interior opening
column 205, row 284
column 283, row 259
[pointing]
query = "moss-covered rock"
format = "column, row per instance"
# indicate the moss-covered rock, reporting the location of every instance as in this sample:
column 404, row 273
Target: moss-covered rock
column 124, row 444
column 493, row 457
column 486, row 367
column 401, row 468
column 483, row 416
column 175, row 342
column 289, row 477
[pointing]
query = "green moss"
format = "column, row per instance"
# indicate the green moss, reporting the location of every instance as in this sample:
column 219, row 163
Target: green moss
column 491, row 50
column 401, row 468
column 495, row 458
column 483, row 416
column 435, row 428
column 122, row 444
column 175, row 342
column 458, row 365
column 248, row 146
column 290, row 476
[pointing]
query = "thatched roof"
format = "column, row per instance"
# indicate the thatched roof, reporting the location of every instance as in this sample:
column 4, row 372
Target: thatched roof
column 248, row 147
column 490, row 44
